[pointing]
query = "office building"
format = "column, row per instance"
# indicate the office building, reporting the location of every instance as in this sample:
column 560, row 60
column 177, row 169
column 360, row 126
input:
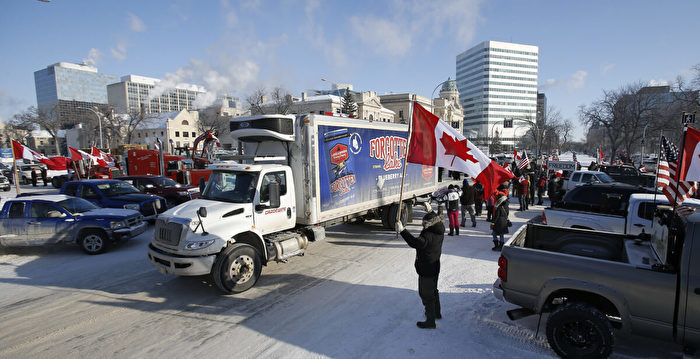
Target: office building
column 498, row 80
column 66, row 88
column 127, row 95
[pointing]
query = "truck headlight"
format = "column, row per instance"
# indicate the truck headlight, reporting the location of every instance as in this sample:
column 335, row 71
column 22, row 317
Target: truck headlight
column 116, row 224
column 134, row 206
column 182, row 193
column 199, row 244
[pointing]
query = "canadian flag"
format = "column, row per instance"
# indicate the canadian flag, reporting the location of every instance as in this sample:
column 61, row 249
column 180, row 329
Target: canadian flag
column 690, row 168
column 23, row 152
column 434, row 143
column 77, row 155
column 108, row 159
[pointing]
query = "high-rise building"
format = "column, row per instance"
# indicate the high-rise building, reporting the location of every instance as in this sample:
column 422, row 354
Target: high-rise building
column 498, row 80
column 67, row 87
column 128, row 95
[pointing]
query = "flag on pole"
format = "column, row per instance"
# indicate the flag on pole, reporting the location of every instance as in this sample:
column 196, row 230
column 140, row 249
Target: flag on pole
column 106, row 158
column 524, row 161
column 602, row 157
column 77, row 155
column 690, row 170
column 23, row 152
column 435, row 143
column 675, row 192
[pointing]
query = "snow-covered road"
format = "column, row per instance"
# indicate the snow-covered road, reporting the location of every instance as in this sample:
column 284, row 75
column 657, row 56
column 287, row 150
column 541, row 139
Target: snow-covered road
column 353, row 295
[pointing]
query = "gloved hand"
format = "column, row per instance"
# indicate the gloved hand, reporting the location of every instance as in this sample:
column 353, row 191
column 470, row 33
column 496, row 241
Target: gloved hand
column 399, row 226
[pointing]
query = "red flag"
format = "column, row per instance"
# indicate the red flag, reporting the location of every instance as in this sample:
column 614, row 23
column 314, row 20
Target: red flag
column 107, row 159
column 435, row 143
column 77, row 155
column 23, row 152
column 690, row 163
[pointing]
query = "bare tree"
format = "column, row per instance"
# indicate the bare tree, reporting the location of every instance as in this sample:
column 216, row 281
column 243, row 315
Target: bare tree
column 622, row 115
column 131, row 122
column 40, row 118
column 279, row 101
column 213, row 122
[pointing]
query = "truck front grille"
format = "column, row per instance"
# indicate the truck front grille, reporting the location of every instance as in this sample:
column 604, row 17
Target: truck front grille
column 167, row 233
column 133, row 221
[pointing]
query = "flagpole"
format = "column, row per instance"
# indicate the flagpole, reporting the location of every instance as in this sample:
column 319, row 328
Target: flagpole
column 679, row 166
column 16, row 174
column 405, row 164
column 656, row 176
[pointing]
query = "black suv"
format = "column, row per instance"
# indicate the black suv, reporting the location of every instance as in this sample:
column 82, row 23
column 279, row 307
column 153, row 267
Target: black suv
column 610, row 198
column 628, row 174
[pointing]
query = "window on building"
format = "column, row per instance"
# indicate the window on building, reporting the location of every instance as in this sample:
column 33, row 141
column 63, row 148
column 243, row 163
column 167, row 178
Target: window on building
column 138, row 135
column 177, row 133
column 193, row 134
column 185, row 123
column 320, row 112
column 185, row 134
column 161, row 133
column 401, row 114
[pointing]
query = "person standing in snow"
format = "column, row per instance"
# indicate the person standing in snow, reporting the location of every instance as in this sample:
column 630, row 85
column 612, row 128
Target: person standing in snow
column 500, row 221
column 451, row 199
column 467, row 202
column 428, row 247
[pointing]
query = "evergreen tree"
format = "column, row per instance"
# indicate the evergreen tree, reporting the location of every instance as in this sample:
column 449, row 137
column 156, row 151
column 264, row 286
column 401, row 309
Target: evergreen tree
column 349, row 106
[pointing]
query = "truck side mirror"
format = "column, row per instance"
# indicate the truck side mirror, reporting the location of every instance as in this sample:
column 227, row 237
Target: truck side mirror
column 202, row 183
column 202, row 212
column 274, row 190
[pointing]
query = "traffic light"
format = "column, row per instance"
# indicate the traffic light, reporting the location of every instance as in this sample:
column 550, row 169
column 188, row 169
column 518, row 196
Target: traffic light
column 507, row 123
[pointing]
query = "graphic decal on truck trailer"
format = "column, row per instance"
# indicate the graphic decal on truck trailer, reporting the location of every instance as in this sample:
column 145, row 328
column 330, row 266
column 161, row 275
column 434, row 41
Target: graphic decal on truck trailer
column 356, row 173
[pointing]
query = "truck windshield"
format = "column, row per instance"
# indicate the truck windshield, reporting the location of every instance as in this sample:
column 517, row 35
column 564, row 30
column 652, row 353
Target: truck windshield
column 77, row 205
column 604, row 178
column 111, row 189
column 236, row 187
column 165, row 182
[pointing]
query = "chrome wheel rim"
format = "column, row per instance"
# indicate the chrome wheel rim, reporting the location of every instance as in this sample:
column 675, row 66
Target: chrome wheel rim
column 242, row 269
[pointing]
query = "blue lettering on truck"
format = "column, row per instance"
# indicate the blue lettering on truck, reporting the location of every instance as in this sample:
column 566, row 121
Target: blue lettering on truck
column 360, row 164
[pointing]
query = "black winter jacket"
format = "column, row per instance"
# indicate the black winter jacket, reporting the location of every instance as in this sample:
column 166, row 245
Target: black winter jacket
column 428, row 247
column 500, row 219
column 467, row 196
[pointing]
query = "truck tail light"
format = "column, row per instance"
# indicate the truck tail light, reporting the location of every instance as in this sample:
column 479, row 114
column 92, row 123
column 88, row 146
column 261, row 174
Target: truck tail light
column 544, row 218
column 503, row 268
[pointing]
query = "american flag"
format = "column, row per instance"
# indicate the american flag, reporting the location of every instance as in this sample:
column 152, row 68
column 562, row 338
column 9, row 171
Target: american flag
column 666, row 172
column 524, row 161
column 575, row 159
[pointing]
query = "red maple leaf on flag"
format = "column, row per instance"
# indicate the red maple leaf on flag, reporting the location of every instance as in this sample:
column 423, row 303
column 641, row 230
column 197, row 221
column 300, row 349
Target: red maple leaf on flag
column 456, row 148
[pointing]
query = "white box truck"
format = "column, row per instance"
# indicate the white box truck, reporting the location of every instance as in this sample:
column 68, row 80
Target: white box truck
column 302, row 174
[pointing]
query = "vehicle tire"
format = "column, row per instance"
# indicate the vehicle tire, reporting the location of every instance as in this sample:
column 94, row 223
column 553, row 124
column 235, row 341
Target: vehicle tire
column 579, row 330
column 57, row 182
column 94, row 241
column 385, row 216
column 393, row 211
column 7, row 189
column 237, row 268
column 25, row 181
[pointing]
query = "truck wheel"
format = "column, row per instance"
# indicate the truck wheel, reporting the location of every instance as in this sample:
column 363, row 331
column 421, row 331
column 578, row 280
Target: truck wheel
column 578, row 330
column 393, row 210
column 237, row 268
column 57, row 182
column 93, row 242
column 385, row 216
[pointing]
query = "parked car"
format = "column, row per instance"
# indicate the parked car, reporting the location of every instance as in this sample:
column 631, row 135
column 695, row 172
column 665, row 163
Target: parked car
column 116, row 194
column 55, row 219
column 6, row 171
column 578, row 178
column 628, row 174
column 173, row 192
column 609, row 198
column 4, row 183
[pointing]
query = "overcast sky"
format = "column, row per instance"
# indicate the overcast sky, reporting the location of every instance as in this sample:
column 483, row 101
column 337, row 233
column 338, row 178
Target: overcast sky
column 235, row 47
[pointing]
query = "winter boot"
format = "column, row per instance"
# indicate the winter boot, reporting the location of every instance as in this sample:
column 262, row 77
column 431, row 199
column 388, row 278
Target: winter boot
column 452, row 231
column 429, row 322
column 495, row 246
column 463, row 224
column 457, row 230
column 500, row 246
column 473, row 224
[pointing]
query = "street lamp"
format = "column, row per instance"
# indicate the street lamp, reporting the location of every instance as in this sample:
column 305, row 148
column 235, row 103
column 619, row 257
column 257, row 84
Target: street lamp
column 432, row 95
column 99, row 121
column 537, row 132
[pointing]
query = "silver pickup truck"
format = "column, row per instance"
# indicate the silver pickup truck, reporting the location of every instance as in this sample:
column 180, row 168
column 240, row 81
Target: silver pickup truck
column 591, row 282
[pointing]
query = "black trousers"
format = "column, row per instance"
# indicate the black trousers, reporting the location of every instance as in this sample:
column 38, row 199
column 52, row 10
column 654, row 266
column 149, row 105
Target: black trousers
column 427, row 289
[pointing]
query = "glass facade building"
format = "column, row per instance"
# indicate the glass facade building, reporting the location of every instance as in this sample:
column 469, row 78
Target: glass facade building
column 69, row 86
column 128, row 95
column 498, row 80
